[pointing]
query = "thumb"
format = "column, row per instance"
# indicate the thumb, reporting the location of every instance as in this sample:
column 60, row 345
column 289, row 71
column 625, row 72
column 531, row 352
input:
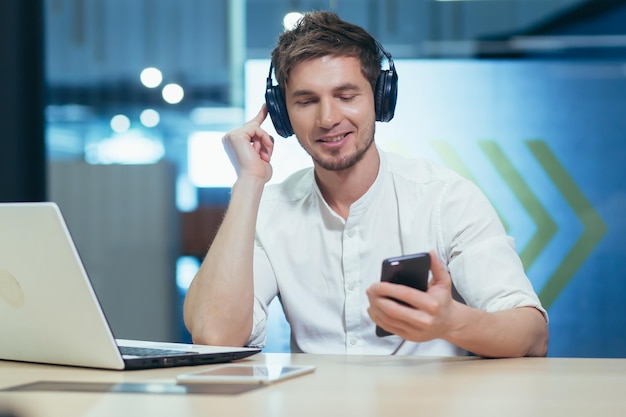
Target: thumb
column 440, row 277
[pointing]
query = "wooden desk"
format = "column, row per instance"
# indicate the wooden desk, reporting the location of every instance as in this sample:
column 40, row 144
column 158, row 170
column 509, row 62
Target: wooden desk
column 348, row 386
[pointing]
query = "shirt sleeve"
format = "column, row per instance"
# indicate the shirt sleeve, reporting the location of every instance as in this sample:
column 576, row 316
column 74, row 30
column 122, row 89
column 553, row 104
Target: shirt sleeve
column 265, row 289
column 483, row 263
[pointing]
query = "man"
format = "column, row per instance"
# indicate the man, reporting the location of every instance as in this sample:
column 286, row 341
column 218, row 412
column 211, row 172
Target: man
column 317, row 240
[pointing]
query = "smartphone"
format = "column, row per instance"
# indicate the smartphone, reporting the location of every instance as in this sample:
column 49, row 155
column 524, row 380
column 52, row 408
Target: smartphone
column 257, row 374
column 411, row 270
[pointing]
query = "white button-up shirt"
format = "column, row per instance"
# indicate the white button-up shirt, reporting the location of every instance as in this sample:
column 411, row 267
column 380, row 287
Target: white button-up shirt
column 320, row 265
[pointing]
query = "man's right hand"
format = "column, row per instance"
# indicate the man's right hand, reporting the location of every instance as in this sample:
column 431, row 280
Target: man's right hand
column 219, row 305
column 250, row 148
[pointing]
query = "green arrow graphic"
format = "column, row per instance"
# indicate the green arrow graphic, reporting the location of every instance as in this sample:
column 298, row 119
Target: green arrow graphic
column 546, row 227
column 452, row 160
column 594, row 227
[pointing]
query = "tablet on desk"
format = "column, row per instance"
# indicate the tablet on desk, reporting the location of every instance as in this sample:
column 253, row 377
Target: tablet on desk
column 245, row 374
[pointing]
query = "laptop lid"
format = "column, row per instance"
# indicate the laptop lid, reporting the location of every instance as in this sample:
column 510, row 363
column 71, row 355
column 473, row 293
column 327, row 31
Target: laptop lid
column 49, row 312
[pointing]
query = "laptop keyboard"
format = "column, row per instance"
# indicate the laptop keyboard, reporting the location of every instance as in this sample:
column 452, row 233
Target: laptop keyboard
column 147, row 352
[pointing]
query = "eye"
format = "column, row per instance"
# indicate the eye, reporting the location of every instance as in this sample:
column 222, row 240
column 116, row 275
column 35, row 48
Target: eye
column 305, row 101
column 347, row 97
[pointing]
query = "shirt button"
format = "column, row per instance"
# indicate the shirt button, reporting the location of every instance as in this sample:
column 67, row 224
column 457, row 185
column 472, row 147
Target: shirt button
column 353, row 341
column 350, row 233
column 350, row 287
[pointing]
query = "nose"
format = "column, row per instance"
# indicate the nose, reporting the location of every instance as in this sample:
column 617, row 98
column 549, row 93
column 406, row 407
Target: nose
column 328, row 113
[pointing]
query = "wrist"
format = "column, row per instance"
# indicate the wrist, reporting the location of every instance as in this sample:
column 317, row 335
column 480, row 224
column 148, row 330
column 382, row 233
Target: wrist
column 249, row 184
column 460, row 316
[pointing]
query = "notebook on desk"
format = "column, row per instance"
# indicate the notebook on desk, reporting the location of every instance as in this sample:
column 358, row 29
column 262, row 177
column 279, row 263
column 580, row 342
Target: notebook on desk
column 49, row 312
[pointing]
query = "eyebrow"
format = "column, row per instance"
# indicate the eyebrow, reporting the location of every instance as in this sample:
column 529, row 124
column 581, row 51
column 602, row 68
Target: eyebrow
column 338, row 89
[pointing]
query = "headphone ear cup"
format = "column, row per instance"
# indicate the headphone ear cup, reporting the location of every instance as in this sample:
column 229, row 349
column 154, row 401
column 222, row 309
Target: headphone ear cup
column 379, row 92
column 278, row 111
column 386, row 95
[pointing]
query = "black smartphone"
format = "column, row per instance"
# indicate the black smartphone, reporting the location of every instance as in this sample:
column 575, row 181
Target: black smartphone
column 411, row 270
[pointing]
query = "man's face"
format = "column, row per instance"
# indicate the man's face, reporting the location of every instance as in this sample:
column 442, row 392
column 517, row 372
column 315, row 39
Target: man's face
column 331, row 109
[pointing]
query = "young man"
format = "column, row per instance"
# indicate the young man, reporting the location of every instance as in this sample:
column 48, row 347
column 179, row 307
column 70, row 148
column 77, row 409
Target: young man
column 317, row 240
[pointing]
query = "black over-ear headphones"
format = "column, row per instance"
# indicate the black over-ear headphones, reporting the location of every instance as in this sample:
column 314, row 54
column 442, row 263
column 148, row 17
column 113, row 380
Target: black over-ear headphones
column 385, row 97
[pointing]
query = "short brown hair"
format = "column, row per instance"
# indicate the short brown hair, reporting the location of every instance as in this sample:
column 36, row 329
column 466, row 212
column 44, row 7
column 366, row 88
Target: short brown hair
column 323, row 33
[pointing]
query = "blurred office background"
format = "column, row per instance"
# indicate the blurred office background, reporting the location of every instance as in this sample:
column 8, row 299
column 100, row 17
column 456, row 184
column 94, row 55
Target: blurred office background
column 114, row 109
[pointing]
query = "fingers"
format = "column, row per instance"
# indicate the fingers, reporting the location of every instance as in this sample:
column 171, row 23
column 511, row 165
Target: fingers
column 252, row 132
column 263, row 147
column 266, row 151
column 406, row 322
column 410, row 296
column 262, row 142
column 261, row 115
column 426, row 315
column 250, row 147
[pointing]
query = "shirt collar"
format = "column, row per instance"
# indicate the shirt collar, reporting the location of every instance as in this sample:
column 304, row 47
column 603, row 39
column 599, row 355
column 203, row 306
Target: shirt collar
column 358, row 207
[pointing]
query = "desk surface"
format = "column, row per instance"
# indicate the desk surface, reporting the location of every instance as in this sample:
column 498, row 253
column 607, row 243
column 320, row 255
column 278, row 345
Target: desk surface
column 345, row 386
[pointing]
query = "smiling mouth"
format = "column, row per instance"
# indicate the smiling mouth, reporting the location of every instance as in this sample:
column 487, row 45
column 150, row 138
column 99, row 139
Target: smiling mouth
column 333, row 138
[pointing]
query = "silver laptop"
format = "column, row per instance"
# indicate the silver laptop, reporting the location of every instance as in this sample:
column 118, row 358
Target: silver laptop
column 49, row 312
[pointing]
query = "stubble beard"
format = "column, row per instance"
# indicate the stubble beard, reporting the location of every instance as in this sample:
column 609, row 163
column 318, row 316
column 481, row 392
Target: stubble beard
column 335, row 162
